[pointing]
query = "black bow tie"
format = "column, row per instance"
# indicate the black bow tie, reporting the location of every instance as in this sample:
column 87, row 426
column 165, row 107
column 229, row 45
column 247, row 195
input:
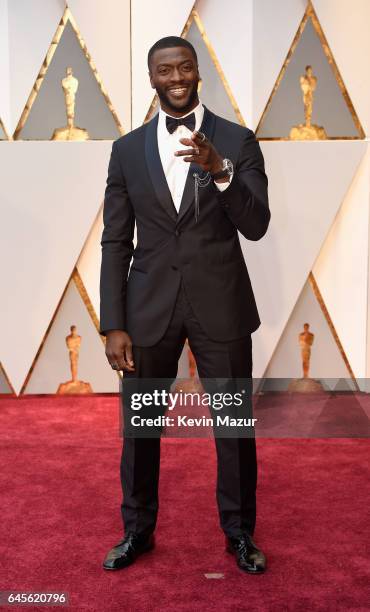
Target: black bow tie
column 172, row 124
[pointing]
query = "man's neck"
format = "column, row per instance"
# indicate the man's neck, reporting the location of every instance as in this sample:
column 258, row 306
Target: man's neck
column 183, row 114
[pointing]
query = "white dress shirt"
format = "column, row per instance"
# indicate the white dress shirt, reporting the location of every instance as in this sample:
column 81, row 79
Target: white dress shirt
column 175, row 168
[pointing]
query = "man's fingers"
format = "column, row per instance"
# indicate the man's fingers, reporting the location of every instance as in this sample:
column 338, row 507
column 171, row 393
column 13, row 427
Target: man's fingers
column 122, row 364
column 125, row 362
column 117, row 362
column 187, row 141
column 129, row 358
column 128, row 368
column 198, row 137
column 184, row 152
column 122, row 361
column 118, row 350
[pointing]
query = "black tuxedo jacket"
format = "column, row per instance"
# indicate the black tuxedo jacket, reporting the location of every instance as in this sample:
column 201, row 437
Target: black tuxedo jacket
column 170, row 245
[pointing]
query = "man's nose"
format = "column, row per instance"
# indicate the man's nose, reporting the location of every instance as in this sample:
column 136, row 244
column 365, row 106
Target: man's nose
column 176, row 75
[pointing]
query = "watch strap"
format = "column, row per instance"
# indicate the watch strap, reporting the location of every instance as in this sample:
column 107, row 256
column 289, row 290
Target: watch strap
column 226, row 170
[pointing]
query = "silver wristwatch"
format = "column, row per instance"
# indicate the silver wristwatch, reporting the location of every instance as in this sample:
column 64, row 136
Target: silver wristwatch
column 227, row 170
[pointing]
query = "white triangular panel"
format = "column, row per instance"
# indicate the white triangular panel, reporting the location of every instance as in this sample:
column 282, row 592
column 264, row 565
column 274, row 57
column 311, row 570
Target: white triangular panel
column 274, row 27
column 307, row 183
column 150, row 22
column 346, row 28
column 99, row 22
column 341, row 269
column 53, row 365
column 239, row 22
column 32, row 26
column 49, row 212
column 89, row 262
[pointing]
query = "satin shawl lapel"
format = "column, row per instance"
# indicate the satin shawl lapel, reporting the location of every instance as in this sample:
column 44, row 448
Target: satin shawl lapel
column 207, row 127
column 155, row 168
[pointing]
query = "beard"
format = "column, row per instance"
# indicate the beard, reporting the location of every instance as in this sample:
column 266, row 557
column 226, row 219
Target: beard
column 182, row 106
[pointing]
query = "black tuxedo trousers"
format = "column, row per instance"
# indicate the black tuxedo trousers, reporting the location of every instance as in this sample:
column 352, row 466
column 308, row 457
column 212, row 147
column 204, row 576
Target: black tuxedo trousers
column 236, row 456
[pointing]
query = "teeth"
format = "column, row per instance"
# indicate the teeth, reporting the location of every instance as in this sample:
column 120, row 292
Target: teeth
column 178, row 90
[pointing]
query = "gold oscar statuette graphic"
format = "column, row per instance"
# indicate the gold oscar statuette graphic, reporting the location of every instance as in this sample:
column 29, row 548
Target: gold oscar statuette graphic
column 307, row 131
column 305, row 384
column 73, row 342
column 70, row 132
column 306, row 339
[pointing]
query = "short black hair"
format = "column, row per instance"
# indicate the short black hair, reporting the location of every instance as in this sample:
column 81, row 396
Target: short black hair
column 171, row 41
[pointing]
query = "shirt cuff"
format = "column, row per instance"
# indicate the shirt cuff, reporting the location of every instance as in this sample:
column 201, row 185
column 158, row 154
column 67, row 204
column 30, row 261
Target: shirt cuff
column 223, row 186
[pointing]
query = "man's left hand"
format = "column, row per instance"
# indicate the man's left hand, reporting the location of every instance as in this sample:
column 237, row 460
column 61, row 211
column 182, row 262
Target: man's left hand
column 202, row 153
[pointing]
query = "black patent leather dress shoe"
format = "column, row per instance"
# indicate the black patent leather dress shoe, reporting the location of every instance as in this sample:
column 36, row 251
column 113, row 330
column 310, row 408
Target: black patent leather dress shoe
column 126, row 551
column 248, row 556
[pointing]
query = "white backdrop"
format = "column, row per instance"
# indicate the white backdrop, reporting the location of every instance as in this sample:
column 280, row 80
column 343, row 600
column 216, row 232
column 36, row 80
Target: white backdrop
column 51, row 193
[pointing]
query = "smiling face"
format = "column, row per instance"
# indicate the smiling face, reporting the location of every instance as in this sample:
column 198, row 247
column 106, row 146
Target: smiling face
column 174, row 75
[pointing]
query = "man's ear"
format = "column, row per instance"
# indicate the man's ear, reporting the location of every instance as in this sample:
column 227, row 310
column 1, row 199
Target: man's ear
column 151, row 79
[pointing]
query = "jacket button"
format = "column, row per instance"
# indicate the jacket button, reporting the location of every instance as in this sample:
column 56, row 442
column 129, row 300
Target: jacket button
column 174, row 267
column 177, row 232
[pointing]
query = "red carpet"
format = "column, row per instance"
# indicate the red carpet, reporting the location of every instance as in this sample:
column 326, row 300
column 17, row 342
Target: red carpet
column 60, row 496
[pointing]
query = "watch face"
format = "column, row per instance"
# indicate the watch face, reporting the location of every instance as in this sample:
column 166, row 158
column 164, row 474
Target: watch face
column 228, row 165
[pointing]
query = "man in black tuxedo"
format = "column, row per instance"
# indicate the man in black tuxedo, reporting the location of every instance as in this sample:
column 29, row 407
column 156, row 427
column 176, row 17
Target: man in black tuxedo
column 188, row 279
